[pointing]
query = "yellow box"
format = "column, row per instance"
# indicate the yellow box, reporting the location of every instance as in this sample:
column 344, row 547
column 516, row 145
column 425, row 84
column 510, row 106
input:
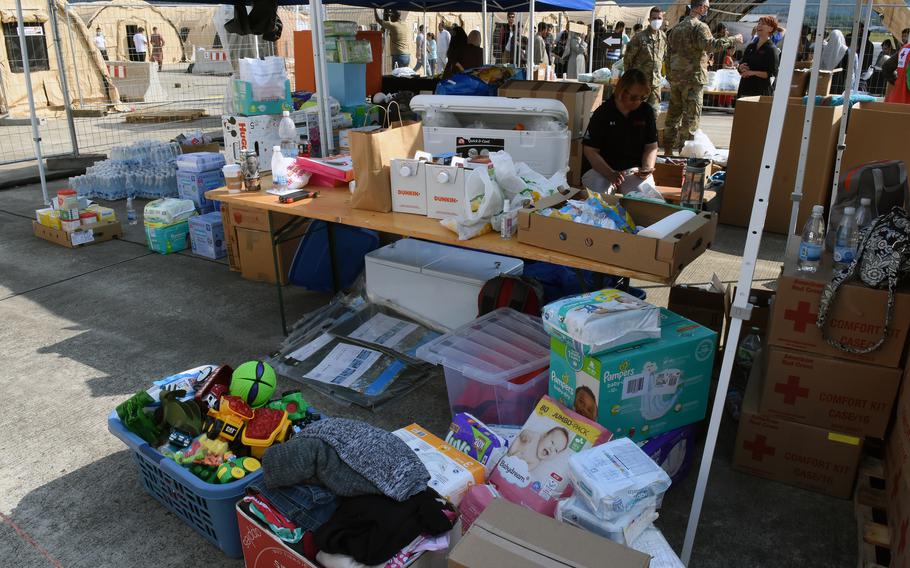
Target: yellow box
column 105, row 214
column 48, row 217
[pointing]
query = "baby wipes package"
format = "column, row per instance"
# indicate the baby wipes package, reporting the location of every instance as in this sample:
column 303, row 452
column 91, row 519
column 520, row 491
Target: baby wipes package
column 624, row 529
column 600, row 321
column 613, row 479
column 451, row 472
column 534, row 472
column 470, row 436
column 641, row 390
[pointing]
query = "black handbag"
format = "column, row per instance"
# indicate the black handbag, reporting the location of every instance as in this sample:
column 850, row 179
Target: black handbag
column 882, row 261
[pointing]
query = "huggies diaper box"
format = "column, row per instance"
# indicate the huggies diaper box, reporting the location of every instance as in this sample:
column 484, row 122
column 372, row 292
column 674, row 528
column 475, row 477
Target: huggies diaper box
column 642, row 390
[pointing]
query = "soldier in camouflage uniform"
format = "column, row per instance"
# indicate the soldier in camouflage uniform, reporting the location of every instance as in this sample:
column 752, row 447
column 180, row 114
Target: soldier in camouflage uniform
column 646, row 52
column 689, row 43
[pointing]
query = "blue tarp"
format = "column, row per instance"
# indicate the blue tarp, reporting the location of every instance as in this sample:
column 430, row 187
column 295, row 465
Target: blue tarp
column 440, row 5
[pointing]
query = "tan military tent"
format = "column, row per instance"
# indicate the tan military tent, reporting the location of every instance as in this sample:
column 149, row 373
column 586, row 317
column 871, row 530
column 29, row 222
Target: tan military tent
column 79, row 56
column 119, row 20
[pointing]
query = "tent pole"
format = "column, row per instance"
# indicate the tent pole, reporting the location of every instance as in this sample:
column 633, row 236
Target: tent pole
column 741, row 310
column 64, row 85
column 591, row 40
column 36, row 136
column 426, row 30
column 69, row 33
column 845, row 115
column 797, row 194
column 486, row 35
column 532, row 32
column 325, row 111
column 862, row 49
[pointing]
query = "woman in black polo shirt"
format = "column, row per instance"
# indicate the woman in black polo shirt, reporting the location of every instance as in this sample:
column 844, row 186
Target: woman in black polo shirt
column 760, row 61
column 622, row 133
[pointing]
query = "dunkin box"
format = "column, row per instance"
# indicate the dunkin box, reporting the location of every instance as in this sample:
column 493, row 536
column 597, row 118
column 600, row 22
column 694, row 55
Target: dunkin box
column 642, row 390
column 830, row 393
column 857, row 318
column 810, row 457
column 664, row 258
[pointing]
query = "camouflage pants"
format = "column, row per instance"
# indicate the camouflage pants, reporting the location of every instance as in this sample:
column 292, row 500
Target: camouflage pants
column 654, row 99
column 683, row 115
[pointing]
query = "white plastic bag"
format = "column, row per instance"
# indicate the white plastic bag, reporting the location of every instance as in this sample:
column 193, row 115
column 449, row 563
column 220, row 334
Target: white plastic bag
column 726, row 80
column 699, row 147
column 484, row 198
column 518, row 180
column 266, row 77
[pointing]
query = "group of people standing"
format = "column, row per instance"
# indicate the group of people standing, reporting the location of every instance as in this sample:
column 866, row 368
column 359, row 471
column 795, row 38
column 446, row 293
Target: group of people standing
column 140, row 44
column 448, row 51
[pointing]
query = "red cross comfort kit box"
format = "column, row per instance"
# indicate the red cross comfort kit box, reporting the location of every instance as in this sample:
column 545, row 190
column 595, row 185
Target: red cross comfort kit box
column 810, row 457
column 856, row 319
column 830, row 393
column 640, row 390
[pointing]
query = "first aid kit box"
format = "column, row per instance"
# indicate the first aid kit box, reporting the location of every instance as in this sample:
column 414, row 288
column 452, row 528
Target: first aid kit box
column 643, row 390
column 443, row 282
column 532, row 131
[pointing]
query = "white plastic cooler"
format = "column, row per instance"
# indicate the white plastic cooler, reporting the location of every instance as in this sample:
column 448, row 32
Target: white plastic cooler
column 437, row 282
column 477, row 126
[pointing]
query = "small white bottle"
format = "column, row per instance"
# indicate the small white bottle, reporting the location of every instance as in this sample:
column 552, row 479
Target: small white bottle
column 508, row 221
column 279, row 169
column 864, row 216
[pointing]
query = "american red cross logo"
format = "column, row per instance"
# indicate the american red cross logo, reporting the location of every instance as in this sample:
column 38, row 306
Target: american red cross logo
column 903, row 541
column 801, row 316
column 791, row 390
column 758, row 447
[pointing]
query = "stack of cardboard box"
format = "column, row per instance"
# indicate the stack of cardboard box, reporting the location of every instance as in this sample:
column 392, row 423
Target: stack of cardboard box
column 248, row 240
column 897, row 479
column 809, row 405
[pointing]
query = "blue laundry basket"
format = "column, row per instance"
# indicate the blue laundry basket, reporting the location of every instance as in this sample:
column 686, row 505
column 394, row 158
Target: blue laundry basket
column 312, row 265
column 207, row 507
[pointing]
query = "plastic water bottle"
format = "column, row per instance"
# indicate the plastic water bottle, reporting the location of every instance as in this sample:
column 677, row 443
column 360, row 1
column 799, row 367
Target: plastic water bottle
column 279, row 169
column 131, row 216
column 864, row 216
column 847, row 239
column 813, row 241
column 287, row 131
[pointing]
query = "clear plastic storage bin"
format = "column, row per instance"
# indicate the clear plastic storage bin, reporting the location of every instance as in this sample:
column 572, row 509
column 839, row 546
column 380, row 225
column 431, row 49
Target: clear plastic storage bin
column 496, row 367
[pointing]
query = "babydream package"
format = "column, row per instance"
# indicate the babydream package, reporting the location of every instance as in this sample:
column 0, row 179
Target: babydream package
column 600, row 321
column 534, row 472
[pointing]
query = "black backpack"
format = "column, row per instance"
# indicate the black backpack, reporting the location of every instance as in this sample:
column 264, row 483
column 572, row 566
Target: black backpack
column 520, row 293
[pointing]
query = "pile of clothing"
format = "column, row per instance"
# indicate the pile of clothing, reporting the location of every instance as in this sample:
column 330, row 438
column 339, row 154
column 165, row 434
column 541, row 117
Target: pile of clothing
column 346, row 494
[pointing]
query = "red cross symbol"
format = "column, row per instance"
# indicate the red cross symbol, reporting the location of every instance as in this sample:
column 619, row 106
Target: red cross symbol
column 903, row 542
column 800, row 317
column 758, row 447
column 791, row 390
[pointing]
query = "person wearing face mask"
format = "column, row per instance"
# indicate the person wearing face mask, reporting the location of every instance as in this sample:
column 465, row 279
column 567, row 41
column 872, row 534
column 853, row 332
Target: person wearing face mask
column 101, row 43
column 689, row 43
column 646, row 52
column 760, row 61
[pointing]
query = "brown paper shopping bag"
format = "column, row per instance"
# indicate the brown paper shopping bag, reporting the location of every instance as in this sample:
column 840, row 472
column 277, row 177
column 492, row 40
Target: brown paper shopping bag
column 371, row 153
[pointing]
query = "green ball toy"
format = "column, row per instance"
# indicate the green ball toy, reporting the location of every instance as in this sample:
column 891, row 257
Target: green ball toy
column 254, row 382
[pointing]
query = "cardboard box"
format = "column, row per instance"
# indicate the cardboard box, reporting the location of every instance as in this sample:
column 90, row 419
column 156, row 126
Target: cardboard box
column 642, row 390
column 96, row 234
column 452, row 472
column 581, row 99
column 897, row 476
column 857, row 319
column 810, row 457
column 409, row 186
column 800, row 83
column 509, row 536
column 706, row 307
column 445, row 191
column 576, row 162
column 207, row 235
column 230, row 238
column 750, row 125
column 829, row 393
column 665, row 258
column 257, row 261
column 876, row 131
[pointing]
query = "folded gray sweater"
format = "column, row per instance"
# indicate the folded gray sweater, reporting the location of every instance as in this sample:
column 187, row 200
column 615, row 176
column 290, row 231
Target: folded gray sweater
column 348, row 457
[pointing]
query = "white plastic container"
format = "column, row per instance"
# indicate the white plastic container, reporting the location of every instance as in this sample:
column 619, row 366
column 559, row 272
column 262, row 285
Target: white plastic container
column 445, row 191
column 478, row 126
column 436, row 282
column 496, row 367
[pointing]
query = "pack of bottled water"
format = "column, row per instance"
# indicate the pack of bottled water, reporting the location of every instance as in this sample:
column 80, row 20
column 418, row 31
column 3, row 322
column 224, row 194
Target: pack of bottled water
column 145, row 169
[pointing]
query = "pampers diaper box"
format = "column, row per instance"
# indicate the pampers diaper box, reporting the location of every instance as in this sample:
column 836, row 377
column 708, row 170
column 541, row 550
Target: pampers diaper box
column 643, row 390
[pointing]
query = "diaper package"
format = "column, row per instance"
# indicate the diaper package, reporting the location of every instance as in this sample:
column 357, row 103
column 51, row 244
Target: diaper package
column 672, row 451
column 600, row 321
column 470, row 436
column 614, row 478
column 642, row 390
column 451, row 472
column 624, row 529
column 534, row 472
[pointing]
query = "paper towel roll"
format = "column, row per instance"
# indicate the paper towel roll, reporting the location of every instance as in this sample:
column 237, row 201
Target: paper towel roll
column 667, row 226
